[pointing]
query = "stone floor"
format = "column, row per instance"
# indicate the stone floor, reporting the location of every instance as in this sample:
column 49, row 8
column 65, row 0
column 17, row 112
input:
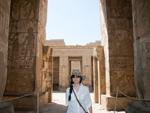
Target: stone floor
column 58, row 105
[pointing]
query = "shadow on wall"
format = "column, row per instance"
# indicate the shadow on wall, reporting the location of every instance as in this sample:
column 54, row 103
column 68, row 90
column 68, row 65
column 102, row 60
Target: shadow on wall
column 53, row 108
column 2, row 74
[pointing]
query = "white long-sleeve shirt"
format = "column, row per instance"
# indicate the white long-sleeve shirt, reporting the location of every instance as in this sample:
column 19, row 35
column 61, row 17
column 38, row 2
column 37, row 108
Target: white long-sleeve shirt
column 84, row 98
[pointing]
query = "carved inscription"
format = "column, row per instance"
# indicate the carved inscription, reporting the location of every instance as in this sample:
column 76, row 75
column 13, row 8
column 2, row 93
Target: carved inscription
column 124, row 81
column 120, row 40
column 22, row 45
column 22, row 49
column 121, row 63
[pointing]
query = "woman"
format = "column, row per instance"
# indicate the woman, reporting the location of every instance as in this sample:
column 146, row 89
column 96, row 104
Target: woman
column 82, row 92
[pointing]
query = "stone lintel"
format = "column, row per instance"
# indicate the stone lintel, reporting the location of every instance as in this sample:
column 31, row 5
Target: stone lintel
column 72, row 47
column 110, row 102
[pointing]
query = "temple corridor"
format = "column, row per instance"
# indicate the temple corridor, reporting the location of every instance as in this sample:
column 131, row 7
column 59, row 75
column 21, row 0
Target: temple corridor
column 58, row 105
column 31, row 67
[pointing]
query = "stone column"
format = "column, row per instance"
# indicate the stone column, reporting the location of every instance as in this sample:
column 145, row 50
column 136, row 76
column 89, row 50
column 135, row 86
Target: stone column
column 141, row 26
column 101, row 72
column 4, row 31
column 26, row 37
column 118, row 48
column 95, row 79
column 50, row 75
column 46, row 81
column 63, row 73
column 86, row 66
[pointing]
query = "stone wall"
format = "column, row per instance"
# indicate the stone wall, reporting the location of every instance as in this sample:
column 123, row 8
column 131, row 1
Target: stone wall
column 43, row 58
column 118, row 49
column 67, row 54
column 46, row 77
column 4, row 31
column 141, row 24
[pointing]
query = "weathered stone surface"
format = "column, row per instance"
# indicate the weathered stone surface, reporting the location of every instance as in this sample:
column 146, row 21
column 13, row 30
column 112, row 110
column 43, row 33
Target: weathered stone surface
column 55, row 73
column 101, row 72
column 118, row 47
column 4, row 31
column 137, row 107
column 121, row 40
column 95, row 78
column 123, row 80
column 6, row 107
column 111, row 103
column 141, row 24
column 22, row 47
column 26, row 40
column 73, row 57
column 119, row 9
column 43, row 59
column 46, row 80
column 56, row 42
column 30, row 64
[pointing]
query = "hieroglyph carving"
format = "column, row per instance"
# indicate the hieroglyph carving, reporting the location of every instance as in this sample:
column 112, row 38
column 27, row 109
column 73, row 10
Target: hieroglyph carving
column 22, row 50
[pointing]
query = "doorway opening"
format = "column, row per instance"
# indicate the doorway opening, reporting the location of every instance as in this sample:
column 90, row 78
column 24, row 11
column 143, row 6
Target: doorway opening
column 73, row 27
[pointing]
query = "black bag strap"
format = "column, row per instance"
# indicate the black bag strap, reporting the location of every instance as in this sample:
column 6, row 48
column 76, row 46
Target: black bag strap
column 79, row 102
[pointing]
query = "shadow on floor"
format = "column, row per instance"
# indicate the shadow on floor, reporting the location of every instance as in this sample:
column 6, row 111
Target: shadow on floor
column 53, row 108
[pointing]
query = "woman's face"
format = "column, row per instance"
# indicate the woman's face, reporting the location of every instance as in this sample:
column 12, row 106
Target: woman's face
column 76, row 79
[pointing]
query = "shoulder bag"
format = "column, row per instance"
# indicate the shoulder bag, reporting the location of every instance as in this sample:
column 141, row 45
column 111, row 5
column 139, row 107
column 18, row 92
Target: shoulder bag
column 79, row 102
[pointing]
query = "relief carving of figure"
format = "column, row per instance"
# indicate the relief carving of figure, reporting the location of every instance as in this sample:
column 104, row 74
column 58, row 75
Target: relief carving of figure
column 28, row 9
column 29, row 43
column 23, row 9
column 14, row 42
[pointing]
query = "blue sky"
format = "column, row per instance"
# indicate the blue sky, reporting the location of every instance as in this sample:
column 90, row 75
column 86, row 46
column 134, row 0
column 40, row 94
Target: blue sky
column 75, row 21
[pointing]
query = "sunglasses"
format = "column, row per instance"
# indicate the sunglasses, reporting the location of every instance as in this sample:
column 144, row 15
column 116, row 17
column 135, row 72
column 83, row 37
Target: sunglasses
column 76, row 76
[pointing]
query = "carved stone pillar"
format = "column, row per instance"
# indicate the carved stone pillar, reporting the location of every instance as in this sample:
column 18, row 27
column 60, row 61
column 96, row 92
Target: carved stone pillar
column 26, row 39
column 63, row 73
column 101, row 72
column 86, row 66
column 4, row 31
column 118, row 50
column 95, row 79
column 141, row 26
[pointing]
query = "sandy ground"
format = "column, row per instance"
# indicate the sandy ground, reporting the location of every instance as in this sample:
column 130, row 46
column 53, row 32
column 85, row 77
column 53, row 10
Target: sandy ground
column 58, row 105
